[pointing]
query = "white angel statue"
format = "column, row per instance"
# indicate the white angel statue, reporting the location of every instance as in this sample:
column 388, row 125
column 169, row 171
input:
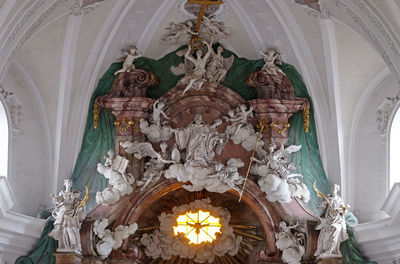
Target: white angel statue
column 276, row 180
column 218, row 66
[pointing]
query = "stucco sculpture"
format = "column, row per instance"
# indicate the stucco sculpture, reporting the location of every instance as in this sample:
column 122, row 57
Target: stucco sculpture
column 212, row 67
column 154, row 168
column 155, row 130
column 196, row 68
column 240, row 130
column 290, row 243
column 272, row 58
column 69, row 214
column 128, row 61
column 120, row 182
column 201, row 142
column 218, row 66
column 332, row 224
column 181, row 33
column 109, row 240
column 276, row 180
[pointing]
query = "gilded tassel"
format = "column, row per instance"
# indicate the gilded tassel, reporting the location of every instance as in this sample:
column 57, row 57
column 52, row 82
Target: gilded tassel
column 306, row 118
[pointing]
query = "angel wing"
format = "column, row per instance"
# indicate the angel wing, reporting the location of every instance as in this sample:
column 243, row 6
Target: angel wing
column 285, row 152
column 140, row 149
column 179, row 70
column 261, row 153
column 319, row 194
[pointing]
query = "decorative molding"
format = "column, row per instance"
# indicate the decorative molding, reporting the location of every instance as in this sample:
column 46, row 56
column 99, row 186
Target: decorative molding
column 82, row 7
column 384, row 247
column 384, row 113
column 38, row 23
column 14, row 108
column 18, row 233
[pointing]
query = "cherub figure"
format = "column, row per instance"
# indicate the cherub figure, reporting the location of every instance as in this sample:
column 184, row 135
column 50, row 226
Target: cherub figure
column 157, row 112
column 128, row 65
column 214, row 30
column 290, row 243
column 271, row 59
column 179, row 33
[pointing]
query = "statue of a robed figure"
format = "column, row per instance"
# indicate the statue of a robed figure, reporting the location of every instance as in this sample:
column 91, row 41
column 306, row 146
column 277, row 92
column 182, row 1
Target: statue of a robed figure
column 69, row 214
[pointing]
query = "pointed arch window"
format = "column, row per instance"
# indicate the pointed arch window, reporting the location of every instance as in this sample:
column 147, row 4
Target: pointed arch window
column 4, row 134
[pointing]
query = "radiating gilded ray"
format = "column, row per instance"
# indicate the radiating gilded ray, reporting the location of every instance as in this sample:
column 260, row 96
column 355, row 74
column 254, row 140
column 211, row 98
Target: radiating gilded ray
column 248, row 235
column 246, row 227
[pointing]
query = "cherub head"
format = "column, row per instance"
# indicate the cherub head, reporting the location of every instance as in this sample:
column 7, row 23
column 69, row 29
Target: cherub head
column 220, row 49
column 243, row 107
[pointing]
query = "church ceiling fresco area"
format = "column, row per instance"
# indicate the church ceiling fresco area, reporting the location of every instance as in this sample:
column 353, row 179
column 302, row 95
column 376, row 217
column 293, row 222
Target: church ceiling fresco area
column 222, row 145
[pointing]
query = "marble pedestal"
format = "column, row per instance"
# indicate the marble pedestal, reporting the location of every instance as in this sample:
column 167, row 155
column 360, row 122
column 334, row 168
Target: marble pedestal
column 127, row 111
column 276, row 113
column 68, row 258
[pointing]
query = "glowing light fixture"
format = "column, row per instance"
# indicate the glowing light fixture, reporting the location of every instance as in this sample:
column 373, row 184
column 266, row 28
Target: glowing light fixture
column 198, row 227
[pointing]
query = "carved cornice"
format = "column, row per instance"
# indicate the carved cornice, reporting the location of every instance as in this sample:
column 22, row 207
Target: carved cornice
column 384, row 113
column 14, row 107
column 85, row 6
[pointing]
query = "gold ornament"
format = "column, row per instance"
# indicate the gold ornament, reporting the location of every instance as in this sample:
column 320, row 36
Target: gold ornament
column 306, row 118
column 279, row 126
column 96, row 113
column 262, row 124
column 124, row 125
